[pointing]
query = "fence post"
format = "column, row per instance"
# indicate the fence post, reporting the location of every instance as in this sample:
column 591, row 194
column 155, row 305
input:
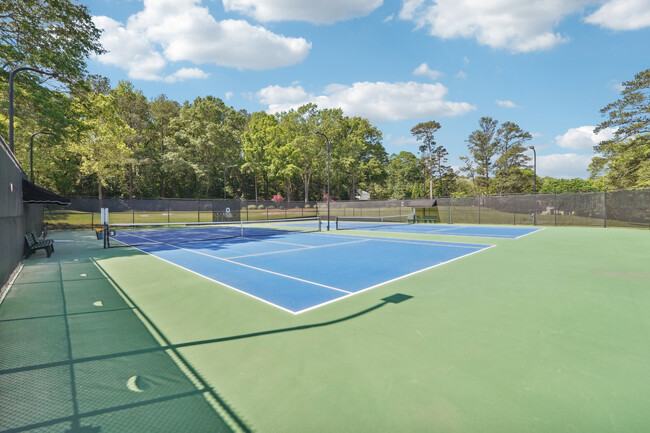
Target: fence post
column 198, row 210
column 555, row 210
column 605, row 207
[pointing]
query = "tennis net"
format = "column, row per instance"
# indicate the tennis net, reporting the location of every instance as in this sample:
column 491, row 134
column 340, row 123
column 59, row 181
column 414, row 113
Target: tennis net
column 361, row 222
column 121, row 235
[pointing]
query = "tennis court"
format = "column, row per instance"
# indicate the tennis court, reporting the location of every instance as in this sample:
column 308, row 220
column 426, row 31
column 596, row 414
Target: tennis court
column 287, row 265
column 545, row 332
column 391, row 225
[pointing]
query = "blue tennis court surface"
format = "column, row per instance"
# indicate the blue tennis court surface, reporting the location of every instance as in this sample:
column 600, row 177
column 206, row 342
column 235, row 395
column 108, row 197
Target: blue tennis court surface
column 483, row 231
column 299, row 272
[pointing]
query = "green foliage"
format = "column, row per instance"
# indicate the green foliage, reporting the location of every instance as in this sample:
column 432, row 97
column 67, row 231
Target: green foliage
column 404, row 176
column 623, row 160
column 500, row 153
column 434, row 157
column 483, row 146
column 551, row 185
column 102, row 145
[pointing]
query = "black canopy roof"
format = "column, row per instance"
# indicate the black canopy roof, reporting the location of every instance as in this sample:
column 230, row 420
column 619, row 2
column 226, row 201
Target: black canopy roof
column 421, row 203
column 37, row 195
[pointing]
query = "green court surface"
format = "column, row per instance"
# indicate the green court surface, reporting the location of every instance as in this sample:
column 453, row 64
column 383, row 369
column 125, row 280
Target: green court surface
column 546, row 333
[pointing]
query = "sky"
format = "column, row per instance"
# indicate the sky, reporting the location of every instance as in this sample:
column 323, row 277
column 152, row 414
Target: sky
column 547, row 65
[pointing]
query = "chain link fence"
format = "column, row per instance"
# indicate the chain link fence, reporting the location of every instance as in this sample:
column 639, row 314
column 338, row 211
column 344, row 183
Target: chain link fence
column 603, row 209
column 83, row 213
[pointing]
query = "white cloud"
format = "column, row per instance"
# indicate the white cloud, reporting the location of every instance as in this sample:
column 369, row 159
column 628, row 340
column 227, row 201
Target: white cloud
column 519, row 26
column 317, row 12
column 129, row 49
column 186, row 74
column 400, row 141
column 563, row 165
column 378, row 101
column 462, row 75
column 583, row 138
column 424, row 69
column 506, row 104
column 389, row 18
column 229, row 95
column 622, row 15
column 181, row 30
column 510, row 24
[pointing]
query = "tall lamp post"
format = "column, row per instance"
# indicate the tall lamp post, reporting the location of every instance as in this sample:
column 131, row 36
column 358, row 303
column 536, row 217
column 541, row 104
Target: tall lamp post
column 31, row 154
column 329, row 142
column 225, row 168
column 534, row 168
column 11, row 97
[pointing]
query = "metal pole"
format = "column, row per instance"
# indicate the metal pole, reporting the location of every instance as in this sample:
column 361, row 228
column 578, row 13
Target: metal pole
column 328, row 176
column 534, row 169
column 328, row 185
column 11, row 98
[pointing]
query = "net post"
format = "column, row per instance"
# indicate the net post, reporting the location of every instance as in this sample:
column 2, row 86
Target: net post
column 320, row 223
column 107, row 243
column 336, row 223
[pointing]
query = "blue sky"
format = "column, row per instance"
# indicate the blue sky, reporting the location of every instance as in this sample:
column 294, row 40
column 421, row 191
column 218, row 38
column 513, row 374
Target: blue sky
column 549, row 66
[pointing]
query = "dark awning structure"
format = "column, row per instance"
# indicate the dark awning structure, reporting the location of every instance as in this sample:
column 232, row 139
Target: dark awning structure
column 420, row 203
column 36, row 195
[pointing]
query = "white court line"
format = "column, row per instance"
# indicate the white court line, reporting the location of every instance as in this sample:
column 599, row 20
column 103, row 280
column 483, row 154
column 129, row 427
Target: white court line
column 534, row 231
column 348, row 293
column 251, row 267
column 300, row 249
column 394, row 279
column 435, row 230
column 406, row 241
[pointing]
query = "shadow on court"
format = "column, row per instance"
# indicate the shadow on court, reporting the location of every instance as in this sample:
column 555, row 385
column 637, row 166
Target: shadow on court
column 79, row 356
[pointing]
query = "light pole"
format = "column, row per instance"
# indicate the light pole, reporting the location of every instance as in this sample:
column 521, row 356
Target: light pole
column 328, row 176
column 11, row 98
column 225, row 168
column 534, row 168
column 31, row 153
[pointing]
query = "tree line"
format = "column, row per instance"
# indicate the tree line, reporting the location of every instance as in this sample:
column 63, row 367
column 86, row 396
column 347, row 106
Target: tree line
column 113, row 141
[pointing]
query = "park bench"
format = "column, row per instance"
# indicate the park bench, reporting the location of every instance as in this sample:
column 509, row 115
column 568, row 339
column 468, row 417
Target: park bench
column 412, row 219
column 32, row 245
column 431, row 219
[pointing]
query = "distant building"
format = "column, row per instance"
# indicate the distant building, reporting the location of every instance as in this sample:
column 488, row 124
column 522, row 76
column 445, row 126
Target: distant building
column 362, row 195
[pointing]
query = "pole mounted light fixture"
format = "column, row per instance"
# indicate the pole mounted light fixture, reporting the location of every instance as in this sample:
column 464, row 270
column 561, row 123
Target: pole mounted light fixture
column 11, row 97
column 329, row 143
column 534, row 168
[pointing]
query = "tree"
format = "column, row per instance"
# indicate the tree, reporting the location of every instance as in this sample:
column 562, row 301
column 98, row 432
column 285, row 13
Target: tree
column 52, row 36
column 625, row 159
column 102, row 146
column 404, row 174
column 205, row 139
column 263, row 131
column 298, row 126
column 483, row 145
column 162, row 112
column 359, row 158
column 511, row 164
column 133, row 109
column 424, row 132
column 551, row 185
